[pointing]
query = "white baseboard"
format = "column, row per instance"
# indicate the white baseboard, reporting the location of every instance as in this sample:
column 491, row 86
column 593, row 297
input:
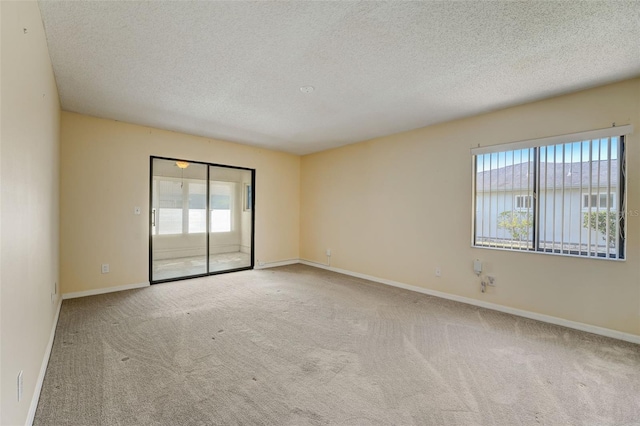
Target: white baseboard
column 488, row 305
column 76, row 294
column 265, row 265
column 43, row 368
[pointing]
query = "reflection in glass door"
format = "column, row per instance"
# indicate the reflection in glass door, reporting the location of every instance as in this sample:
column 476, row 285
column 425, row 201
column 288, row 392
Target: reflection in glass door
column 185, row 241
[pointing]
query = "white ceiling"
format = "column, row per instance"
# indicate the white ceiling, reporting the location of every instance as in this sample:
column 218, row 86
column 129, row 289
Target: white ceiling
column 233, row 70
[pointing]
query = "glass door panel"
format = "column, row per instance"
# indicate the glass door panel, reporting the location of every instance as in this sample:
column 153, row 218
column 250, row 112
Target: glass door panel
column 231, row 218
column 178, row 219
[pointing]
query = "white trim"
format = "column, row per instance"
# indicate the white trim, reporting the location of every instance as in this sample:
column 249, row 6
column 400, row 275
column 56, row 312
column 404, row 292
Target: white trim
column 555, row 140
column 43, row 368
column 501, row 308
column 76, row 294
column 266, row 265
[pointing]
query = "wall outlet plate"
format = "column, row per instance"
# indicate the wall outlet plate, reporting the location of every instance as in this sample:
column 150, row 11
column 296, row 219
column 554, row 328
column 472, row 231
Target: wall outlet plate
column 438, row 272
column 105, row 268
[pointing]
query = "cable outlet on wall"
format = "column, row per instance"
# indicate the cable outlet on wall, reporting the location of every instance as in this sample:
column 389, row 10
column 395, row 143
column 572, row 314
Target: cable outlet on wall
column 136, row 210
column 105, row 268
column 438, row 272
column 328, row 252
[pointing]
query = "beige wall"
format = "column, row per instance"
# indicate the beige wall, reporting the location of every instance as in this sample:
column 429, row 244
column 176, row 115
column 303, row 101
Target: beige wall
column 29, row 200
column 397, row 207
column 105, row 174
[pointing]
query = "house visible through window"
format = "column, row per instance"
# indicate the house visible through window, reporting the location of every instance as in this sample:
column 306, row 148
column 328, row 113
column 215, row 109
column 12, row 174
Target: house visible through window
column 561, row 195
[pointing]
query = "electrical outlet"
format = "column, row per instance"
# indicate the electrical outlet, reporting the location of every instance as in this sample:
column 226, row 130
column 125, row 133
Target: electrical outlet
column 328, row 252
column 491, row 280
column 105, row 268
column 438, row 272
column 20, row 386
column 136, row 210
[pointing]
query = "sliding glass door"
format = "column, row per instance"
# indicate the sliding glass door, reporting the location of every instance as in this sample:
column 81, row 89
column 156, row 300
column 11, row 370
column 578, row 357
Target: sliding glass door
column 187, row 242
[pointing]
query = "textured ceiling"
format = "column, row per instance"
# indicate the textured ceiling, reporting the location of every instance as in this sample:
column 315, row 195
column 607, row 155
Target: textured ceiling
column 233, row 70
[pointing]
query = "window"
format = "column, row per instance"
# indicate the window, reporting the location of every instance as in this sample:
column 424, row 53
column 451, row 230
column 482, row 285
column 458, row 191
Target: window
column 247, row 198
column 197, row 193
column 598, row 201
column 169, row 210
column 559, row 195
column 221, row 194
column 524, row 202
column 173, row 216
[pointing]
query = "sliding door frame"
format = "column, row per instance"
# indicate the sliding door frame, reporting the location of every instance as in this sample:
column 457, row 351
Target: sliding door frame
column 208, row 219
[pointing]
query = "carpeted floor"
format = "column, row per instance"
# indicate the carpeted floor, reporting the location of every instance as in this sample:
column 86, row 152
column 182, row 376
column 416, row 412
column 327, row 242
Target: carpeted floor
column 298, row 345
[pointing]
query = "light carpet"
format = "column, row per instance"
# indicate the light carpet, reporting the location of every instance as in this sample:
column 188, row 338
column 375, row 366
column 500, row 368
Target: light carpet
column 298, row 345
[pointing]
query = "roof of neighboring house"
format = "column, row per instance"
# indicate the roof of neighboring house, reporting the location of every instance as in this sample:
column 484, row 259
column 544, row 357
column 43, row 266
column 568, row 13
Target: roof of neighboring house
column 571, row 175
